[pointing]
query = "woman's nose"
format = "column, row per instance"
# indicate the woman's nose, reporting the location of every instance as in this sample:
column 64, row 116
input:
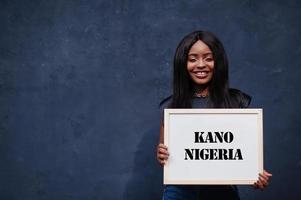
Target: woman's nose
column 201, row 63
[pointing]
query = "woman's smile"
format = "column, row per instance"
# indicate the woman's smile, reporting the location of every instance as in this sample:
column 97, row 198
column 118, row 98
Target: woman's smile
column 201, row 74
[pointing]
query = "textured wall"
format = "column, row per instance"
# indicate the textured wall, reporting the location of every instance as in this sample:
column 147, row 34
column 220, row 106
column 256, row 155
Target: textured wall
column 80, row 83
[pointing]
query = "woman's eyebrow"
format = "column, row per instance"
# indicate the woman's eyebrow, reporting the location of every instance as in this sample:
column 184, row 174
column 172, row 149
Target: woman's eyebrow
column 207, row 54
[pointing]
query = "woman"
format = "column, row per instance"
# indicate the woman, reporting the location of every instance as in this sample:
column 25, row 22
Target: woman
column 201, row 81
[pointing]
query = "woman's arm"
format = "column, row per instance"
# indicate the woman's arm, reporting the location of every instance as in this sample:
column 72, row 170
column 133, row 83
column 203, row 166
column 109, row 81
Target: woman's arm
column 162, row 151
column 161, row 139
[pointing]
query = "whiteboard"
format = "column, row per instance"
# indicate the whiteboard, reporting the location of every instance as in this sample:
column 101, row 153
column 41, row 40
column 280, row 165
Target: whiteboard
column 198, row 156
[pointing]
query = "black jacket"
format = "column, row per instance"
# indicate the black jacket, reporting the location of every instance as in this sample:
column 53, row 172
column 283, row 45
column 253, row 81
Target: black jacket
column 238, row 99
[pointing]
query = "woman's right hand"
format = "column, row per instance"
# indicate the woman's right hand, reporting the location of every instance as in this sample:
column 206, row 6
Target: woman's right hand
column 162, row 154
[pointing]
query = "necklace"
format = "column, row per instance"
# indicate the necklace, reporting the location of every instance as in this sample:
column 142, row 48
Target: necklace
column 201, row 95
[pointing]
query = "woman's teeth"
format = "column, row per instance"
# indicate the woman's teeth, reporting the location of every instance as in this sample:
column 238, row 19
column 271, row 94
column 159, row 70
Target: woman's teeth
column 201, row 73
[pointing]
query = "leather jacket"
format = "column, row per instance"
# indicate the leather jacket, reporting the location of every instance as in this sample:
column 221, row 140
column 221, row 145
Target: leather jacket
column 238, row 99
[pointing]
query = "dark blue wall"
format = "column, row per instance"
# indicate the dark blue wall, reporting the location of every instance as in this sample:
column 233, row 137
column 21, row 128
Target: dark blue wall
column 80, row 83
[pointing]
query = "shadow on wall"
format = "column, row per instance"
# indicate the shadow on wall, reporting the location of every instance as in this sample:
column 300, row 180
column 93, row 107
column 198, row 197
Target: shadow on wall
column 146, row 181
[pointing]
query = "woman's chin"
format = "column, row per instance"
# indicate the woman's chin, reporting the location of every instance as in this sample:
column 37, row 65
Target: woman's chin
column 201, row 81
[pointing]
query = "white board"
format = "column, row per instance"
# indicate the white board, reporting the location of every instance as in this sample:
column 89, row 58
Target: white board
column 186, row 131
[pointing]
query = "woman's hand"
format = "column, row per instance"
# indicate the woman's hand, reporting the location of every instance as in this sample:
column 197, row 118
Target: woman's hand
column 162, row 154
column 263, row 180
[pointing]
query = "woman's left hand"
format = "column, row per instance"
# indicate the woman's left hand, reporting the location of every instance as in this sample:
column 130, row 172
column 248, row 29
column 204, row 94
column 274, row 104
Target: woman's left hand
column 263, row 180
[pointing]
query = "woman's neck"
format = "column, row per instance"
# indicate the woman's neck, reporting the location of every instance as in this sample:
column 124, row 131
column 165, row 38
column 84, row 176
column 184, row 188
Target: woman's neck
column 201, row 90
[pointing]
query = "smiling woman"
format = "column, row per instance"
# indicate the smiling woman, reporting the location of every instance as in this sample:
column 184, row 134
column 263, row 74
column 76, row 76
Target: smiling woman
column 201, row 81
column 201, row 69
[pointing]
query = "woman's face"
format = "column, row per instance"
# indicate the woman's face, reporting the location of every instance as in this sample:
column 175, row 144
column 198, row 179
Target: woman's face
column 200, row 63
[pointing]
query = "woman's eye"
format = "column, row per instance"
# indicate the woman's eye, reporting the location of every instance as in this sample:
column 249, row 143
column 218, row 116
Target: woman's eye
column 209, row 59
column 192, row 60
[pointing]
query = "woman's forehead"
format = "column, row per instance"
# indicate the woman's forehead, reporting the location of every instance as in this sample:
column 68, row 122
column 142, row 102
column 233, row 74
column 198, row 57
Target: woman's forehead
column 199, row 48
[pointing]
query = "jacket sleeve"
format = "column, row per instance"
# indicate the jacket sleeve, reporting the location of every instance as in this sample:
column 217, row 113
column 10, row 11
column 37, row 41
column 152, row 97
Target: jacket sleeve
column 243, row 100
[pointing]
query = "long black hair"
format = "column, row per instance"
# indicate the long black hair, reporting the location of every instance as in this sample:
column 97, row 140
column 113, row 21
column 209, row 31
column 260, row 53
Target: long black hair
column 183, row 86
